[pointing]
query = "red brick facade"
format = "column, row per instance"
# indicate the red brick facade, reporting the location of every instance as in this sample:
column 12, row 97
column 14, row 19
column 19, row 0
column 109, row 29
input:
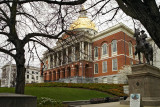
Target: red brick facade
column 85, row 68
column 123, row 57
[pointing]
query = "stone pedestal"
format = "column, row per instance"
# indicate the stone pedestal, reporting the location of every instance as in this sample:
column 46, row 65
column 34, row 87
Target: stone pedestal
column 145, row 79
column 17, row 100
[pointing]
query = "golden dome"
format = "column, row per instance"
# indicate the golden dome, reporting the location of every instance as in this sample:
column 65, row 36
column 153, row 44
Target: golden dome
column 83, row 21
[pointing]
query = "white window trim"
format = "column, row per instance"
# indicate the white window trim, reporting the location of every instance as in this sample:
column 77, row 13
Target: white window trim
column 102, row 67
column 112, row 65
column 94, row 68
column 113, row 53
column 106, row 55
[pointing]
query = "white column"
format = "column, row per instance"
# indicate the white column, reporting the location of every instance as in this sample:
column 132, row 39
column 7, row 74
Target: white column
column 53, row 61
column 82, row 45
column 73, row 53
column 88, row 54
column 49, row 61
column 57, row 59
column 67, row 55
column 80, row 50
column 90, row 51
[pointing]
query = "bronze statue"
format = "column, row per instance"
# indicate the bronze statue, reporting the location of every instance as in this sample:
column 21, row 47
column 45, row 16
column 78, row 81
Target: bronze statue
column 142, row 46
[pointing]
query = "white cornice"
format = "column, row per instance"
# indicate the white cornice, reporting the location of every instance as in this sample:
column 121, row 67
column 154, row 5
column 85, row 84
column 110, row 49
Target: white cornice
column 112, row 30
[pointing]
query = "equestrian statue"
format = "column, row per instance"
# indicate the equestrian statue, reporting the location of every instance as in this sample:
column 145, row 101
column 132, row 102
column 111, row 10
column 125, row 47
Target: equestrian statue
column 142, row 46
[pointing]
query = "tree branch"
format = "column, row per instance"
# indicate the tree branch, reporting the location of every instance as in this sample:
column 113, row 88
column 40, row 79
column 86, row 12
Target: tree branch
column 127, row 10
column 30, row 35
column 76, row 2
column 6, row 52
column 41, row 43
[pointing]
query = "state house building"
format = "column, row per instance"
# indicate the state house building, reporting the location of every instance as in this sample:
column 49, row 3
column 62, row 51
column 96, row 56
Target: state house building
column 84, row 55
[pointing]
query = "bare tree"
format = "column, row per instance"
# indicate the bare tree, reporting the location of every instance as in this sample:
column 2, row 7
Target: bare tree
column 145, row 11
column 22, row 23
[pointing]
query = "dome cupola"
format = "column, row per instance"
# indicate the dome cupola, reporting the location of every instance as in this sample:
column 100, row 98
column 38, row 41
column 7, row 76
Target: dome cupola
column 83, row 21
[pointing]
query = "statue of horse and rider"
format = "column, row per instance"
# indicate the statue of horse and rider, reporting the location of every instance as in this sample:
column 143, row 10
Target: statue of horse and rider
column 142, row 46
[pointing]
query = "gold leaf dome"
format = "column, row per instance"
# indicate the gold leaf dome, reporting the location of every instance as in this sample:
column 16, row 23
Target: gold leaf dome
column 83, row 21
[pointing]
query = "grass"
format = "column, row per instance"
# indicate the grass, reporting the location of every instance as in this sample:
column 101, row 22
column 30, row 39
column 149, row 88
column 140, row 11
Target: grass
column 113, row 89
column 60, row 93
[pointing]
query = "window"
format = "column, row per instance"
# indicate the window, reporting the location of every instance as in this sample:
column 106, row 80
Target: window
column 32, row 72
column 27, row 76
column 104, row 49
column 114, row 64
column 104, row 66
column 36, row 72
column 104, row 79
column 96, row 68
column 36, row 77
column 51, row 61
column 96, row 52
column 32, row 77
column 114, row 47
column 27, row 71
column 130, row 49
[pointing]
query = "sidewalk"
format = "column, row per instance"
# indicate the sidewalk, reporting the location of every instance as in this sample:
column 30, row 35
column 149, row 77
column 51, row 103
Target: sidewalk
column 112, row 104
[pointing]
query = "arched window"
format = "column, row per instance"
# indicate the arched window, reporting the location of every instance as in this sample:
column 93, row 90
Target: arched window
column 114, row 47
column 115, row 80
column 96, row 52
column 130, row 49
column 104, row 80
column 104, row 49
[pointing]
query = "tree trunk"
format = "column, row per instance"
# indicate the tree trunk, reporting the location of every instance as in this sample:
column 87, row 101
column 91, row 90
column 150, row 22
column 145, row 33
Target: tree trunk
column 20, row 80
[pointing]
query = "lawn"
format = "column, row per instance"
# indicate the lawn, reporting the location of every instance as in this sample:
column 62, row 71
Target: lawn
column 60, row 93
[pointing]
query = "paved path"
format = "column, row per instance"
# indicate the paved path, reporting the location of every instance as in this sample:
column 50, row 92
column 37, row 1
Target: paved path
column 113, row 104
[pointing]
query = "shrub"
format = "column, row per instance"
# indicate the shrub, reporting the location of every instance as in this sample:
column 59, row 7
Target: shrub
column 48, row 102
column 114, row 89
